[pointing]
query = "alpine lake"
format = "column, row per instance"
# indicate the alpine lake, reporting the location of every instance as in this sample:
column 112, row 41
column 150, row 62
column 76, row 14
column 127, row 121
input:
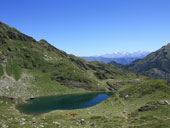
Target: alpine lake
column 46, row 104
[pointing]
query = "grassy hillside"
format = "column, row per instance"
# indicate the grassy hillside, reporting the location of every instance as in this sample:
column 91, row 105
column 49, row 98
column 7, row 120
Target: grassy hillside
column 143, row 105
column 155, row 65
column 37, row 68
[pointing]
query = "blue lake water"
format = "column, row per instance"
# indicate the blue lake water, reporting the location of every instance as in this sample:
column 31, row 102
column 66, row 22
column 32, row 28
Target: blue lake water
column 62, row 102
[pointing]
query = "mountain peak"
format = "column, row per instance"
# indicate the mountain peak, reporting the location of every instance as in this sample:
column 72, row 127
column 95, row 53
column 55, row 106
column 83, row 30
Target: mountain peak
column 7, row 32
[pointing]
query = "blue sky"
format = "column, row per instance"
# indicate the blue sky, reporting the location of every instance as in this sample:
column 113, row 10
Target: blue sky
column 92, row 27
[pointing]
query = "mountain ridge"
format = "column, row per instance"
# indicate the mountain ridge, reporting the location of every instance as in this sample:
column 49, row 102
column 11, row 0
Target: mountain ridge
column 118, row 57
column 136, row 54
column 155, row 65
column 8, row 32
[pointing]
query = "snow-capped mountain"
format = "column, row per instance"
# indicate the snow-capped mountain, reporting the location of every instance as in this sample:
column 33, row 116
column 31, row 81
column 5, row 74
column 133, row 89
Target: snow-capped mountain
column 137, row 54
column 118, row 57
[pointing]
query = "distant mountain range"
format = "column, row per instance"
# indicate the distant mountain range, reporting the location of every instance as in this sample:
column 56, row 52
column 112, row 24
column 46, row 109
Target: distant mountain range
column 137, row 54
column 118, row 57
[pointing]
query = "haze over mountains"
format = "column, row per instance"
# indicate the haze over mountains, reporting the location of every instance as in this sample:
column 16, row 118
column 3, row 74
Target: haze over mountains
column 118, row 57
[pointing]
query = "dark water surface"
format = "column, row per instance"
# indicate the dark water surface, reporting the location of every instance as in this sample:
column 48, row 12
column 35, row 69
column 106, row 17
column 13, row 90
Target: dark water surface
column 62, row 102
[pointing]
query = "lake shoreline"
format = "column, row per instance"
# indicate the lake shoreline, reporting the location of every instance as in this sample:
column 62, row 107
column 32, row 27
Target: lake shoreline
column 63, row 102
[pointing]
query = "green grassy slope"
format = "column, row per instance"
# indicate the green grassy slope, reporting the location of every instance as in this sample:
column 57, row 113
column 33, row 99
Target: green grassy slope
column 142, row 105
column 37, row 68
column 155, row 65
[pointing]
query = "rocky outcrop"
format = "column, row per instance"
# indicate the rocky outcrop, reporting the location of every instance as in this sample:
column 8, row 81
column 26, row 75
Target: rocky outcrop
column 11, row 88
column 12, row 33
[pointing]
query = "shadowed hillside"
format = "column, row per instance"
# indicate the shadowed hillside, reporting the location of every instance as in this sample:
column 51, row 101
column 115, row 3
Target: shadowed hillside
column 155, row 65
